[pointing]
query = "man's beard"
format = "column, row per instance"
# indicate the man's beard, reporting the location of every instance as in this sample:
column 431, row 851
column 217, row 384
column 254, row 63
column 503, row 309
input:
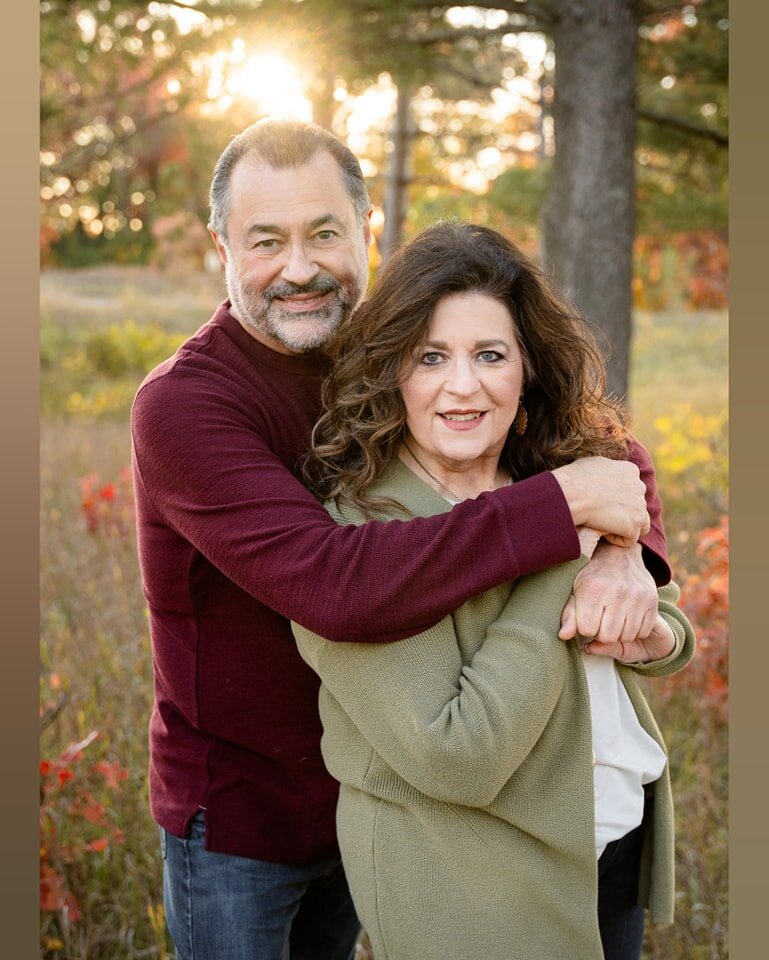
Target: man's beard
column 299, row 332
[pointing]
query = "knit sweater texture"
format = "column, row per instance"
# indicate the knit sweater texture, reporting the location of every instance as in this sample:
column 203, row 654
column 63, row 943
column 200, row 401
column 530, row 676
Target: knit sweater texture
column 465, row 816
column 231, row 545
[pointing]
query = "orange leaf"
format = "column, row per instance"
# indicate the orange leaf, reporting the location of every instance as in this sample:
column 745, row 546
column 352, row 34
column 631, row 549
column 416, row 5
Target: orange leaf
column 51, row 889
column 97, row 845
column 93, row 812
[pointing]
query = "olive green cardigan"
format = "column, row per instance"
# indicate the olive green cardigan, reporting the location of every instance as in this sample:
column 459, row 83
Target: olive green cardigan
column 466, row 816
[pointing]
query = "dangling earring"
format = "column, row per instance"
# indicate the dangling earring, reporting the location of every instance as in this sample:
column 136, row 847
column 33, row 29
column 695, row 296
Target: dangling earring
column 521, row 420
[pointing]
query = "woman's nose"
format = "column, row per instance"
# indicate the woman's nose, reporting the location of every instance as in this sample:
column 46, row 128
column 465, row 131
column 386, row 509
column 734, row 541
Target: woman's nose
column 462, row 378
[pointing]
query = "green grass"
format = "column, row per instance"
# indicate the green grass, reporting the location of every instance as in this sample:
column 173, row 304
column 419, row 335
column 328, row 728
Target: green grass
column 95, row 655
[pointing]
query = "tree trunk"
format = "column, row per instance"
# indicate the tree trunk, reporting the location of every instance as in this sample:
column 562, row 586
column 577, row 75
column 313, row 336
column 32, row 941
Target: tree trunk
column 323, row 105
column 398, row 176
column 589, row 215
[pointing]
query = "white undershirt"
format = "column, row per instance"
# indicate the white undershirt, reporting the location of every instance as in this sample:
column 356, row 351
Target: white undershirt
column 626, row 757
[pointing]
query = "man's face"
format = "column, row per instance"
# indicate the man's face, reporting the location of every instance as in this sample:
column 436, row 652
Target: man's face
column 296, row 259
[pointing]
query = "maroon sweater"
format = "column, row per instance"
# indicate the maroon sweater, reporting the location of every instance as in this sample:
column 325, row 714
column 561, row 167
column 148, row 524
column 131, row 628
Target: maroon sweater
column 232, row 546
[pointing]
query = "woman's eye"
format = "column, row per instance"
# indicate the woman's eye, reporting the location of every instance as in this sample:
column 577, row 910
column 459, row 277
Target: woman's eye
column 431, row 359
column 490, row 356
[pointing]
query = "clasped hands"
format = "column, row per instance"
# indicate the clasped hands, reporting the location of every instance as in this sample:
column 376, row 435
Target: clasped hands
column 614, row 602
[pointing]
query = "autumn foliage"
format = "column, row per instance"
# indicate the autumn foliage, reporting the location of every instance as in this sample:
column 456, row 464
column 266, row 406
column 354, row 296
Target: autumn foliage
column 705, row 597
column 691, row 267
column 107, row 507
column 100, row 867
column 75, row 825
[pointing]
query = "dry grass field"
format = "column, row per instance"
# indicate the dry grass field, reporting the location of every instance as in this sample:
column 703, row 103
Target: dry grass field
column 100, row 872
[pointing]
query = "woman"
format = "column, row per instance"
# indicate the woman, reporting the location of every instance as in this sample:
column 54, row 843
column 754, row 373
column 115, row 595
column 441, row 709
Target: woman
column 476, row 795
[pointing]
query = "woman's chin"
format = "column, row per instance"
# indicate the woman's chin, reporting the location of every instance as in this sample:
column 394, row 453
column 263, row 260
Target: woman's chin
column 464, row 459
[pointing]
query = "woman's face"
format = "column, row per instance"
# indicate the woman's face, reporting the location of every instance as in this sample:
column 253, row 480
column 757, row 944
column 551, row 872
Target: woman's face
column 462, row 397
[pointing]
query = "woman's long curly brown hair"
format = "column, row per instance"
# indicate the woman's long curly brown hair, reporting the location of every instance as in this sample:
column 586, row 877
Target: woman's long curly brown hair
column 363, row 423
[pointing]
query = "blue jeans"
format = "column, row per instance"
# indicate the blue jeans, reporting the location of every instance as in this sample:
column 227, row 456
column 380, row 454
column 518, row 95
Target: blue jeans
column 223, row 907
column 620, row 919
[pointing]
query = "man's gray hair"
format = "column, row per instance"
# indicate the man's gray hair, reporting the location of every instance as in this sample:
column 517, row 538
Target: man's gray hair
column 282, row 144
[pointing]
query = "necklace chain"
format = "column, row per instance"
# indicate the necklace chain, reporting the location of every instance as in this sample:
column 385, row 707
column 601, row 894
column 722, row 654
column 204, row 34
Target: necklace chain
column 432, row 476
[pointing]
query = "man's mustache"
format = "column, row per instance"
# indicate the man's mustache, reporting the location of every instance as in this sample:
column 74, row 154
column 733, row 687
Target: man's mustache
column 323, row 283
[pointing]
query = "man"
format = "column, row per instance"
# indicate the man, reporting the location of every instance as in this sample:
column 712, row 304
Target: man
column 231, row 545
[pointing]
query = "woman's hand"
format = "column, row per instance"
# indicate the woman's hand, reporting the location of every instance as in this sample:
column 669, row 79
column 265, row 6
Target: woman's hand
column 656, row 646
column 588, row 540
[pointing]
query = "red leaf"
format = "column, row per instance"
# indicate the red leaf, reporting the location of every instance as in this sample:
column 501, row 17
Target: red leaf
column 113, row 773
column 52, row 895
column 73, row 908
column 64, row 776
column 108, row 492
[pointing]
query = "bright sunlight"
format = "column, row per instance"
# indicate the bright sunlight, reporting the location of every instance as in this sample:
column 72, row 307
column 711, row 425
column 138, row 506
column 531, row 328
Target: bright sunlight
column 269, row 80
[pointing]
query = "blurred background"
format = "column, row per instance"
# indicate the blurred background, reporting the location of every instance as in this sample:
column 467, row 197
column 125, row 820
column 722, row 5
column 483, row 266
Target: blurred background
column 593, row 134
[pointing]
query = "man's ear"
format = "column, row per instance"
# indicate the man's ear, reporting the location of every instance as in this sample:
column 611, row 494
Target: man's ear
column 220, row 247
column 367, row 229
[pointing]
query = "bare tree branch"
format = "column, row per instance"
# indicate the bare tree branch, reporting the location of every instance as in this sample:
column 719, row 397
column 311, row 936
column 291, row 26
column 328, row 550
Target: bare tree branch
column 525, row 7
column 525, row 16
column 654, row 11
column 685, row 126
column 478, row 83
column 76, row 159
column 479, row 33
column 53, row 711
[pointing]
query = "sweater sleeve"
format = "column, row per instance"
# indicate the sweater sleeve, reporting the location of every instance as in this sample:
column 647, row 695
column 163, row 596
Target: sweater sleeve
column 211, row 475
column 456, row 731
column 685, row 644
column 653, row 543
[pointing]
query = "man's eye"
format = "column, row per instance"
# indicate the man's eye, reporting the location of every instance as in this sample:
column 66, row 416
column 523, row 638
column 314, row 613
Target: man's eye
column 268, row 244
column 325, row 235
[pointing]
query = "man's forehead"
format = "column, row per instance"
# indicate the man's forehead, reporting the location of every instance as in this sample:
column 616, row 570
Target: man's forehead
column 315, row 188
column 289, row 199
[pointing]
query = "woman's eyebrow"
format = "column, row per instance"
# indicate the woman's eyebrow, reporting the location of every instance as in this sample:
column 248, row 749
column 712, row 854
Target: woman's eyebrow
column 442, row 345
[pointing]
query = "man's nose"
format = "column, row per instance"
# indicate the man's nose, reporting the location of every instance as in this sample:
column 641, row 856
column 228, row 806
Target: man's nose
column 299, row 266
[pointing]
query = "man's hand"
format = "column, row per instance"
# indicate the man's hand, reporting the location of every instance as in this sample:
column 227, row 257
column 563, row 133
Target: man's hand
column 608, row 495
column 658, row 645
column 614, row 598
